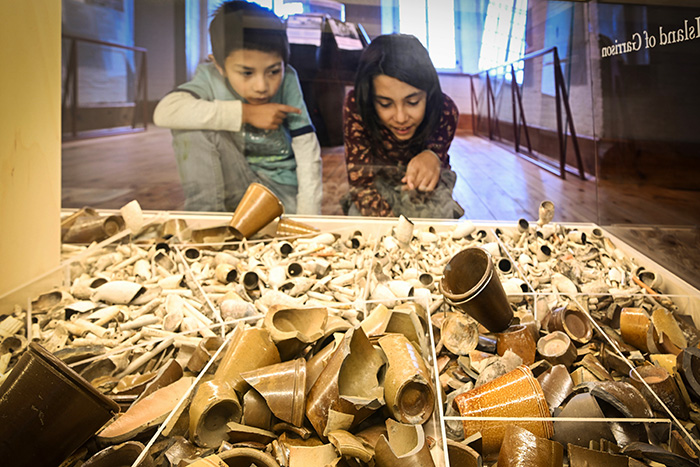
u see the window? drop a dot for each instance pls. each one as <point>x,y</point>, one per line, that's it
<point>504,36</point>
<point>281,8</point>
<point>440,29</point>
<point>431,21</point>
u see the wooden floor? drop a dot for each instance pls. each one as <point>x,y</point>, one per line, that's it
<point>493,184</point>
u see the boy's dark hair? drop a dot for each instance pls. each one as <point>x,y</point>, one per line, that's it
<point>238,24</point>
<point>403,57</point>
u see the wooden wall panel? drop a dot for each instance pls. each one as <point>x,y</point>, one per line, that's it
<point>30,145</point>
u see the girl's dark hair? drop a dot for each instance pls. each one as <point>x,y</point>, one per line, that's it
<point>238,24</point>
<point>403,57</point>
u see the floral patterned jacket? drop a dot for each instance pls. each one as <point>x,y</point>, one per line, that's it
<point>365,160</point>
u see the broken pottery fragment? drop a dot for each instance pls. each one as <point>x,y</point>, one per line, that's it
<point>148,412</point>
<point>408,387</point>
<point>217,402</point>
<point>403,445</point>
<point>521,448</point>
<point>348,386</point>
<point>283,386</point>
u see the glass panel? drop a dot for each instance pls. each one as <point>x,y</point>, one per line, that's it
<point>645,60</point>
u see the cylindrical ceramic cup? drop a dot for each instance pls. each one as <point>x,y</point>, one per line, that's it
<point>258,207</point>
<point>470,284</point>
<point>47,410</point>
<point>93,229</point>
<point>634,327</point>
<point>516,394</point>
<point>573,322</point>
<point>217,402</point>
<point>557,348</point>
<point>546,213</point>
<point>173,228</point>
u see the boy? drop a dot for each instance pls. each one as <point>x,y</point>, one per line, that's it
<point>242,118</point>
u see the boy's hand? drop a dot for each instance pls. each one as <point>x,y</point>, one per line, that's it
<point>267,116</point>
<point>422,172</point>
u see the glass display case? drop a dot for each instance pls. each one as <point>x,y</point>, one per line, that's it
<point>597,362</point>
<point>584,309</point>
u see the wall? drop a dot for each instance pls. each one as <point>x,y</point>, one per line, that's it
<point>155,29</point>
<point>30,171</point>
<point>105,74</point>
<point>365,12</point>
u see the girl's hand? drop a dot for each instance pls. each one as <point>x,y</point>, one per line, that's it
<point>267,116</point>
<point>422,172</point>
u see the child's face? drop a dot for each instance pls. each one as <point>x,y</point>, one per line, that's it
<point>399,106</point>
<point>254,75</point>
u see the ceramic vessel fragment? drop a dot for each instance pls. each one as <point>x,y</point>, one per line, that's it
<point>403,445</point>
<point>283,386</point>
<point>408,387</point>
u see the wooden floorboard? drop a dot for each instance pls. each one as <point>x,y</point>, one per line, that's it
<point>492,184</point>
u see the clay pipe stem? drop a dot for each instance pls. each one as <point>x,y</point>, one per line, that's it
<point>662,301</point>
<point>143,359</point>
<point>189,280</point>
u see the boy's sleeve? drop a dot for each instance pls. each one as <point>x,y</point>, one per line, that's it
<point>181,110</point>
<point>307,153</point>
<point>200,104</point>
<point>298,124</point>
<point>307,150</point>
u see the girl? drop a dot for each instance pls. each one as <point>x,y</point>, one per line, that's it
<point>398,126</point>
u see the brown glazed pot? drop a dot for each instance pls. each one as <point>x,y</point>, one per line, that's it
<point>634,327</point>
<point>470,284</point>
<point>516,394</point>
<point>406,445</point>
<point>47,411</point>
<point>462,455</point>
<point>88,229</point>
<point>557,348</point>
<point>283,386</point>
<point>581,433</point>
